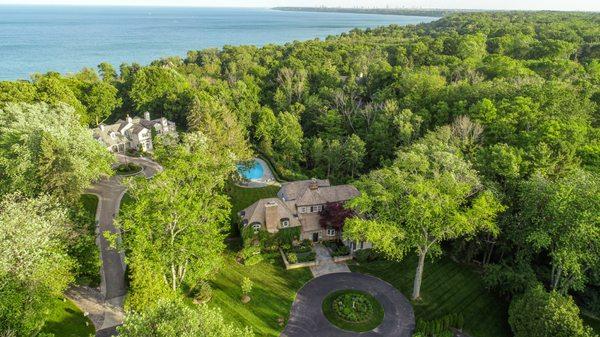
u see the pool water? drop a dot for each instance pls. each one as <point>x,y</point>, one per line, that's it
<point>253,172</point>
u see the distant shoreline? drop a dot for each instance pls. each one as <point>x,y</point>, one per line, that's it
<point>384,11</point>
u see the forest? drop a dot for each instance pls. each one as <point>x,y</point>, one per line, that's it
<point>480,130</point>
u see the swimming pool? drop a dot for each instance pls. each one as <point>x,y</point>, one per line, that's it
<point>253,172</point>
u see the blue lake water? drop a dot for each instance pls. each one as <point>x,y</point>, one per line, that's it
<point>68,38</point>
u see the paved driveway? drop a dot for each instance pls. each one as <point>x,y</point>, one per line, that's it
<point>106,308</point>
<point>325,264</point>
<point>307,319</point>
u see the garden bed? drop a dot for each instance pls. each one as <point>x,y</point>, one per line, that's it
<point>337,249</point>
<point>353,310</point>
<point>297,256</point>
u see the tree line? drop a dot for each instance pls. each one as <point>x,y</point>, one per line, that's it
<point>475,135</point>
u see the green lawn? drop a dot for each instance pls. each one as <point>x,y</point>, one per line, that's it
<point>86,252</point>
<point>243,197</point>
<point>66,320</point>
<point>90,203</point>
<point>272,295</point>
<point>447,288</point>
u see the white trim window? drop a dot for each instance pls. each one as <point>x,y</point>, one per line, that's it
<point>285,223</point>
<point>330,231</point>
<point>303,210</point>
<point>256,226</point>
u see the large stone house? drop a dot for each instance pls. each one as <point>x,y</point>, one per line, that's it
<point>132,133</point>
<point>299,204</point>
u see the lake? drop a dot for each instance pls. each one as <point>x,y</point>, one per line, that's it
<point>69,38</point>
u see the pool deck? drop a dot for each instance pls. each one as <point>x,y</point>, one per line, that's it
<point>267,179</point>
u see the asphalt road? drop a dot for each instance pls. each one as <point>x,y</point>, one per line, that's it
<point>307,318</point>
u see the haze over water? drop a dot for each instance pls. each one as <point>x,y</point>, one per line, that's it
<point>67,38</point>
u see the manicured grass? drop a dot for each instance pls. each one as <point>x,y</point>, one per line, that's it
<point>272,295</point>
<point>87,252</point>
<point>371,319</point>
<point>90,204</point>
<point>243,197</point>
<point>66,320</point>
<point>447,288</point>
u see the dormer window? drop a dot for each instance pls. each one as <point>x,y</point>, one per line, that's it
<point>256,226</point>
<point>285,222</point>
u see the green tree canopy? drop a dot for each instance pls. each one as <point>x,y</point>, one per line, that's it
<point>538,313</point>
<point>174,318</point>
<point>45,149</point>
<point>430,194</point>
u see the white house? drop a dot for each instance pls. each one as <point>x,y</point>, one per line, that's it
<point>132,133</point>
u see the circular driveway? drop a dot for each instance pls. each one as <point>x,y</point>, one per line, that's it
<point>307,319</point>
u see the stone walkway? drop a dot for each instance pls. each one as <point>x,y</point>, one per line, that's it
<point>307,319</point>
<point>325,264</point>
<point>105,307</point>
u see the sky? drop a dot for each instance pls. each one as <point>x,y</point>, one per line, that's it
<point>583,5</point>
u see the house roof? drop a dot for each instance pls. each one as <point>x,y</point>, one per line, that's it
<point>293,190</point>
<point>269,212</point>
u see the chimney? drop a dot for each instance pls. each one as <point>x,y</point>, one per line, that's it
<point>147,115</point>
<point>129,120</point>
<point>314,184</point>
<point>271,216</point>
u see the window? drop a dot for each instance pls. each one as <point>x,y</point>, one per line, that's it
<point>319,208</point>
<point>302,209</point>
<point>285,223</point>
<point>256,226</point>
<point>330,232</point>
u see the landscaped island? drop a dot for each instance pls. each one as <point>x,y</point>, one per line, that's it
<point>422,180</point>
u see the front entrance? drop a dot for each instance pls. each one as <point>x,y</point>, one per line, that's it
<point>315,237</point>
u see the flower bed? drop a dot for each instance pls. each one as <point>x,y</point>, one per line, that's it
<point>337,248</point>
<point>353,310</point>
<point>299,253</point>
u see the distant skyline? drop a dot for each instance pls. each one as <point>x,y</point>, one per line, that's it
<point>579,5</point>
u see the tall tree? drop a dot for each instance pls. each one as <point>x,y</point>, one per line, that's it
<point>562,218</point>
<point>430,194</point>
<point>538,313</point>
<point>34,264</point>
<point>174,229</point>
<point>45,149</point>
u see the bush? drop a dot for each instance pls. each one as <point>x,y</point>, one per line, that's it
<point>539,313</point>
<point>341,251</point>
<point>204,293</point>
<point>292,258</point>
<point>247,285</point>
<point>251,255</point>
<point>307,257</point>
<point>352,307</point>
<point>365,255</point>
<point>440,327</point>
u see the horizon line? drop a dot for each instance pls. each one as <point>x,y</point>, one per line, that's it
<point>298,7</point>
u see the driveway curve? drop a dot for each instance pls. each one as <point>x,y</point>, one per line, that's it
<point>307,319</point>
<point>105,308</point>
